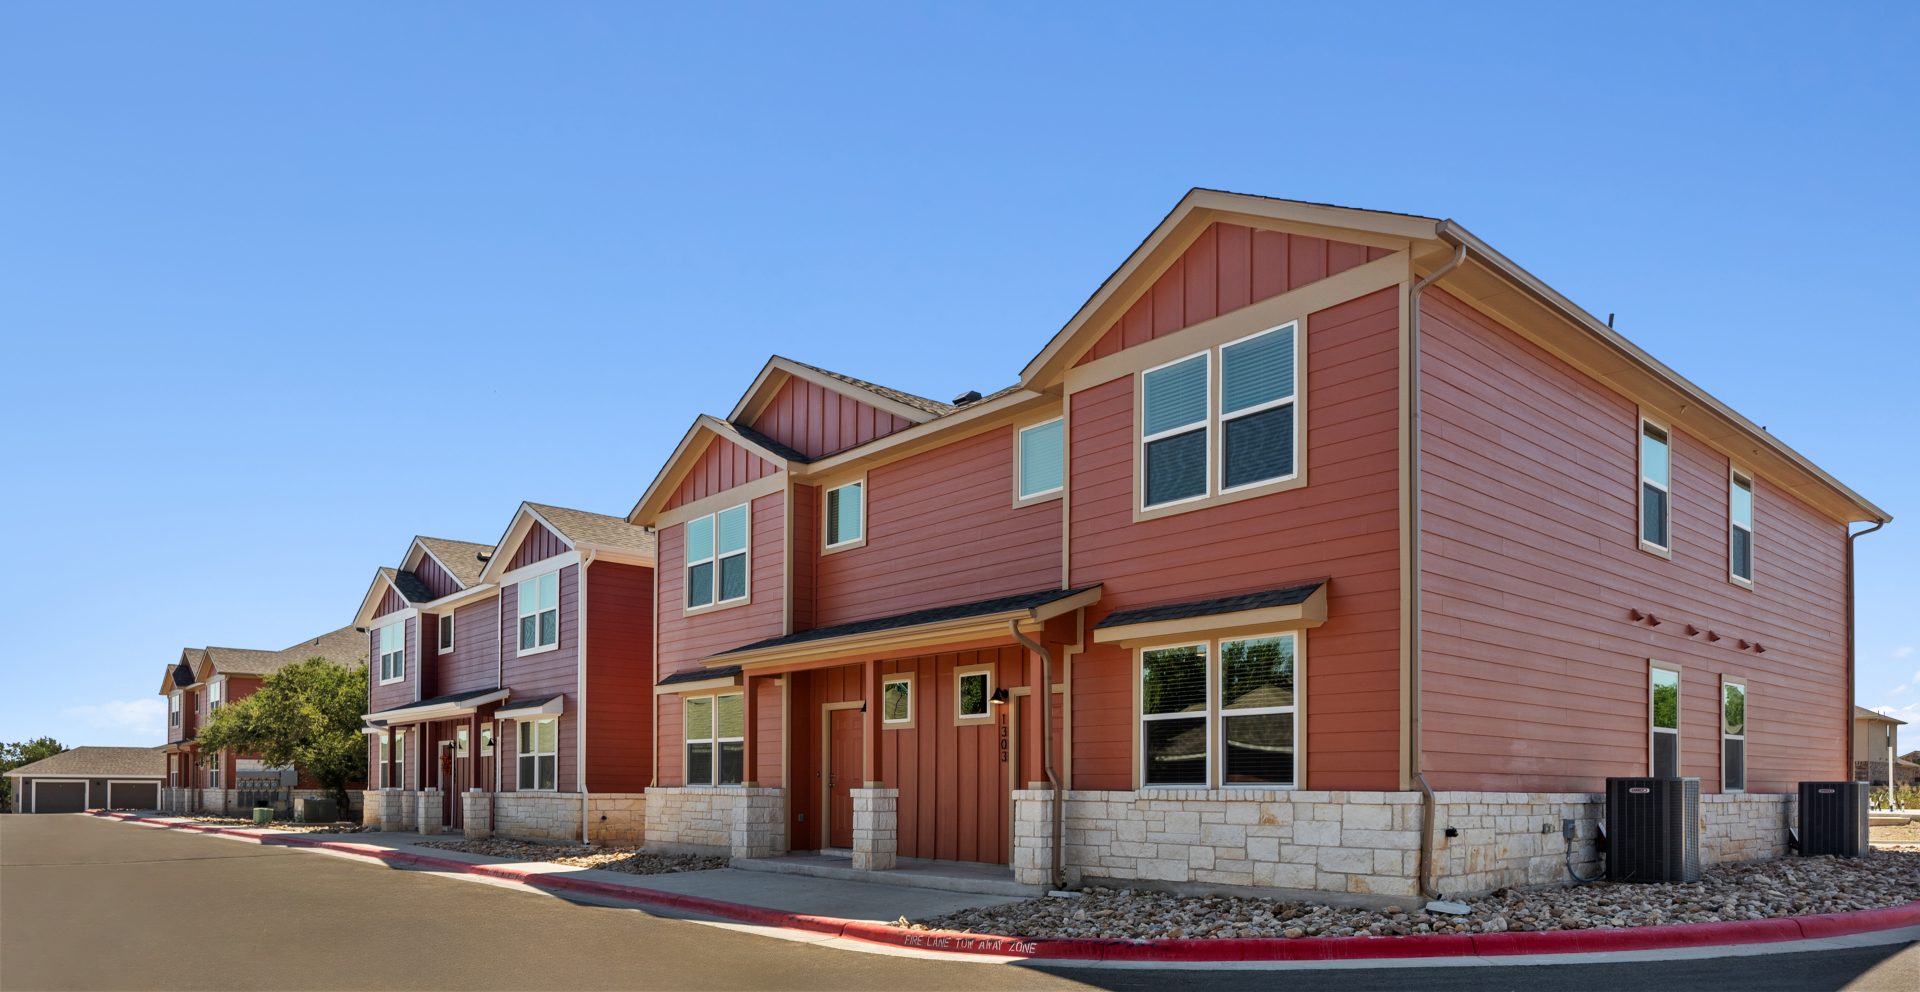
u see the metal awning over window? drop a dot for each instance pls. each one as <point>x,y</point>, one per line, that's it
<point>1294,607</point>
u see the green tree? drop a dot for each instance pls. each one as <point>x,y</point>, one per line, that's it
<point>305,715</point>
<point>24,753</point>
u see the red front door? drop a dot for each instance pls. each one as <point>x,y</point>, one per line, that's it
<point>843,774</point>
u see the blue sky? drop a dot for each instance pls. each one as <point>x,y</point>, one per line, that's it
<point>284,285</point>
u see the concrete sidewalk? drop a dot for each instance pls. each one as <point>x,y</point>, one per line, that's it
<point>802,894</point>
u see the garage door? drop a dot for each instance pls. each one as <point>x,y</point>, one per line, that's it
<point>134,795</point>
<point>59,797</point>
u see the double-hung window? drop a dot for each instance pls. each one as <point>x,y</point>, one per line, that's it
<point>846,515</point>
<point>382,750</point>
<point>393,652</point>
<point>1220,714</point>
<point>1257,408</point>
<point>1042,460</point>
<point>213,771</point>
<point>539,742</point>
<point>716,739</point>
<point>446,632</point>
<point>399,759</point>
<point>1258,717</point>
<point>1655,492</point>
<point>1740,529</point>
<point>216,694</point>
<point>717,558</point>
<point>1174,716</point>
<point>1174,431</point>
<point>1733,735</point>
<point>1663,717</point>
<point>540,613</point>
<point>173,708</point>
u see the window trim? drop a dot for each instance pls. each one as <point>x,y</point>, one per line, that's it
<point>520,614</point>
<point>1215,495</point>
<point>913,700</point>
<point>826,523</point>
<point>713,717</point>
<point>520,734</point>
<point>216,694</point>
<point>1735,476</point>
<point>174,708</point>
<point>380,634</point>
<point>1021,498</point>
<point>1216,725</point>
<point>1679,713</point>
<point>687,564</point>
<point>1205,425</point>
<point>962,672</point>
<point>1640,487</point>
<point>1222,417</point>
<point>486,739</point>
<point>400,758</point>
<point>444,626</point>
<point>1746,763</point>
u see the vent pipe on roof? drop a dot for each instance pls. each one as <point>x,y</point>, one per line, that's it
<point>970,396</point>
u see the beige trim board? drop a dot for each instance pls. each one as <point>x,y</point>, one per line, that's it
<point>1301,616</point>
<point>905,640</point>
<point>743,493</point>
<point>696,688</point>
<point>685,454</point>
<point>977,418</point>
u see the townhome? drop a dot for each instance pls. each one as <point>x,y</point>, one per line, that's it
<point>205,679</point>
<point>510,686</point>
<point>1348,555</point>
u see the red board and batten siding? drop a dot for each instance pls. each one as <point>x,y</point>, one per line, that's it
<point>686,640</point>
<point>435,578</point>
<point>1344,524</point>
<point>1227,267</point>
<point>619,677</point>
<point>539,545</point>
<point>543,674</point>
<point>721,467</point>
<point>1534,675</point>
<point>818,421</point>
<point>941,528</point>
<point>390,602</point>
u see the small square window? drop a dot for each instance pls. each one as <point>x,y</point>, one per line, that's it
<point>846,514</point>
<point>896,701</point>
<point>973,694</point>
<point>446,632</point>
<point>1042,459</point>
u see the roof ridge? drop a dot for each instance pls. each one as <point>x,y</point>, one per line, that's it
<point>926,404</point>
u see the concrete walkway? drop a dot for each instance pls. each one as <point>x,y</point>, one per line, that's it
<point>790,893</point>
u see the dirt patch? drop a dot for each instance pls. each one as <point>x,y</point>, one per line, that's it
<point>631,860</point>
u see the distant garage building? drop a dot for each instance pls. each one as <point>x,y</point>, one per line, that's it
<point>90,778</point>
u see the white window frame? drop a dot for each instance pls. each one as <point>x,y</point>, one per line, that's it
<point>1205,427</point>
<point>1736,476</point>
<point>393,664</point>
<point>1679,713</point>
<point>1021,496</point>
<point>486,740</point>
<point>714,740</point>
<point>1216,712</point>
<point>1640,488</point>
<point>213,771</point>
<point>521,613</point>
<point>400,759</point>
<point>459,742</point>
<point>1209,676</point>
<point>445,635</point>
<point>904,723</point>
<point>1746,759</point>
<point>380,755</point>
<point>216,694</point>
<point>527,735</point>
<point>1218,707</point>
<point>1221,416</point>
<point>173,708</point>
<point>826,524</point>
<point>961,674</point>
<point>714,557</point>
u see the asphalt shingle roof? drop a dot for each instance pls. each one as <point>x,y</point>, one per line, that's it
<point>409,585</point>
<point>959,611</point>
<point>1285,596</point>
<point>99,762</point>
<point>344,647</point>
<point>901,396</point>
<point>700,675</point>
<point>596,528</point>
<point>778,448</point>
<point>462,558</point>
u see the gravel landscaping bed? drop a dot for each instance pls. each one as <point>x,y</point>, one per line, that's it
<point>631,860</point>
<point>1749,891</point>
<point>283,825</point>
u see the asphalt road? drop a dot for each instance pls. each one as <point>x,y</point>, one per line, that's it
<point>93,904</point>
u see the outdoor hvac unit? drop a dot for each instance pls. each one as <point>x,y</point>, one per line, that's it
<point>1653,830</point>
<point>313,809</point>
<point>1833,819</point>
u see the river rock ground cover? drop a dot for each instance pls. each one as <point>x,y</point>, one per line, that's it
<point>1746,891</point>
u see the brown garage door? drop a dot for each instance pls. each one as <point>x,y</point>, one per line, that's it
<point>133,795</point>
<point>59,797</point>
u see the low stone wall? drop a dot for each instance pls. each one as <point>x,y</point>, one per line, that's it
<point>730,821</point>
<point>355,798</point>
<point>476,810</point>
<point>215,801</point>
<point>617,818</point>
<point>545,817</point>
<point>876,828</point>
<point>1362,844</point>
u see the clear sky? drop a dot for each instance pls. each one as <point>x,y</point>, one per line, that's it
<point>283,285</point>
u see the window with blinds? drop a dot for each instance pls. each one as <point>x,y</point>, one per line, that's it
<point>1740,529</point>
<point>1654,487</point>
<point>716,739</point>
<point>1042,459</point>
<point>1174,716</point>
<point>1257,409</point>
<point>716,557</point>
<point>845,514</point>
<point>1174,430</point>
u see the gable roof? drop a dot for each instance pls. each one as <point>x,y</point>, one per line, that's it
<point>774,374</point>
<point>461,559</point>
<point>180,673</point>
<point>703,432</point>
<point>99,762</point>
<point>344,647</point>
<point>580,530</point>
<point>1862,713</point>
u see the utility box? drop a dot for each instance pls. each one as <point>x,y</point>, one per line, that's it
<point>315,810</point>
<point>1653,830</point>
<point>1833,819</point>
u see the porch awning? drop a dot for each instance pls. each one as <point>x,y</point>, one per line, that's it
<point>533,708</point>
<point>1286,608</point>
<point>985,618</point>
<point>437,708</point>
<point>698,679</point>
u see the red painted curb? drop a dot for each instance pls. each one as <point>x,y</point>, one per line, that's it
<point>1166,950</point>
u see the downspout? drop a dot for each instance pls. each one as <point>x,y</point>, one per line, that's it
<point>580,690</point>
<point>1852,537</point>
<point>1413,557</point>
<point>1044,694</point>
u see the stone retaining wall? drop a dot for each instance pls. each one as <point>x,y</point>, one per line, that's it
<point>730,821</point>
<point>617,818</point>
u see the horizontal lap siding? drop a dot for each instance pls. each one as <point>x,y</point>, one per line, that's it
<point>1534,676</point>
<point>941,528</point>
<point>818,421</point>
<point>1343,524</point>
<point>1227,267</point>
<point>722,466</point>
<point>387,696</point>
<point>686,639</point>
<point>475,660</point>
<point>619,677</point>
<point>543,674</point>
